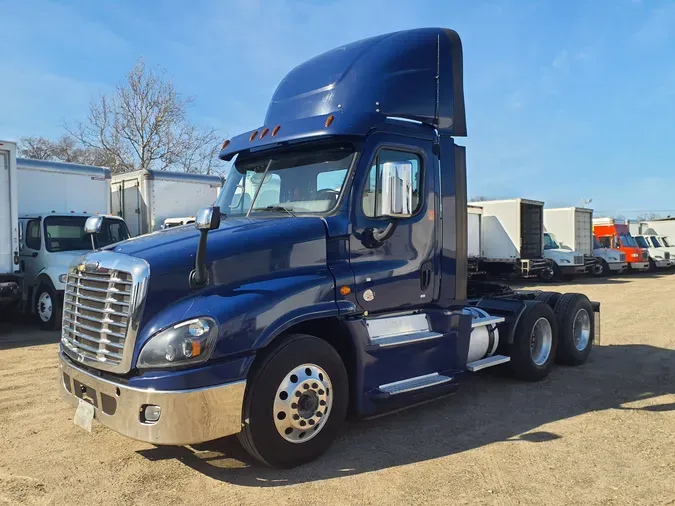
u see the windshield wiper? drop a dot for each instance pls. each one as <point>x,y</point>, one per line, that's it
<point>276,208</point>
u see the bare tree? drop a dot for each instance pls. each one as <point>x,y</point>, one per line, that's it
<point>479,198</point>
<point>648,216</point>
<point>143,125</point>
<point>64,149</point>
<point>38,148</point>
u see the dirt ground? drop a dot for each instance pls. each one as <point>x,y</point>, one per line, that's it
<point>603,433</point>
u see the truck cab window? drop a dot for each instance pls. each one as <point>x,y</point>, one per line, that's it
<point>308,181</point>
<point>66,233</point>
<point>641,242</point>
<point>605,242</point>
<point>549,242</point>
<point>33,234</point>
<point>372,192</point>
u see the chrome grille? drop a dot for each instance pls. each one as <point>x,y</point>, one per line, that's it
<point>622,257</point>
<point>102,304</point>
<point>578,260</point>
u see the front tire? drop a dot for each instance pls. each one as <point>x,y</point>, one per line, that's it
<point>652,265</point>
<point>534,343</point>
<point>48,308</point>
<point>295,403</point>
<point>601,268</point>
<point>551,273</point>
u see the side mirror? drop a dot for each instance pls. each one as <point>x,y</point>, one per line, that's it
<point>397,189</point>
<point>208,218</point>
<point>93,226</point>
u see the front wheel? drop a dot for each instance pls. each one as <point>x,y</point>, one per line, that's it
<point>550,273</point>
<point>652,265</point>
<point>48,308</point>
<point>601,268</point>
<point>295,403</point>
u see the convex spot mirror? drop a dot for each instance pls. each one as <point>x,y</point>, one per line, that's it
<point>93,225</point>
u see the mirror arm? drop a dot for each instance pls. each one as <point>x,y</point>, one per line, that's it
<point>199,276</point>
<point>381,236</point>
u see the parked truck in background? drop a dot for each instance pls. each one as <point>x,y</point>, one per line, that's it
<point>146,198</point>
<point>55,200</point>
<point>474,216</point>
<point>573,228</point>
<point>343,292</point>
<point>512,238</point>
<point>10,276</point>
<point>659,255</point>
<point>615,234</point>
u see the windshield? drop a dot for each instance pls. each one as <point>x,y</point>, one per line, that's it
<point>308,182</point>
<point>655,241</point>
<point>596,243</point>
<point>641,242</point>
<point>66,233</point>
<point>627,241</point>
<point>665,242</point>
<point>549,242</point>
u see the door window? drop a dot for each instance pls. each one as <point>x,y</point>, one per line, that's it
<point>372,192</point>
<point>605,242</point>
<point>33,234</point>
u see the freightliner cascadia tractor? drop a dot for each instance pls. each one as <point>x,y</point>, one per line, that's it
<point>329,280</point>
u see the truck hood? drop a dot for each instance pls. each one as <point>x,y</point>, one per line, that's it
<point>58,264</point>
<point>563,256</point>
<point>241,251</point>
<point>608,254</point>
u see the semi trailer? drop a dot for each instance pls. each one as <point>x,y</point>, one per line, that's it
<point>573,229</point>
<point>343,293</point>
<point>145,199</point>
<point>55,201</point>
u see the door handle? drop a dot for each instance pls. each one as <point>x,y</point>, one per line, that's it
<point>425,276</point>
<point>34,254</point>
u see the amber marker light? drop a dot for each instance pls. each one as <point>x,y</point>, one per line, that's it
<point>329,120</point>
<point>345,290</point>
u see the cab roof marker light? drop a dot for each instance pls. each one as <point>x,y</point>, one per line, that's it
<point>253,135</point>
<point>264,132</point>
<point>276,130</point>
<point>226,143</point>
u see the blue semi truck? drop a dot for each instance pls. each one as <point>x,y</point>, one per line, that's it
<point>329,280</point>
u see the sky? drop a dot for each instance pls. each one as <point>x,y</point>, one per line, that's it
<point>566,100</point>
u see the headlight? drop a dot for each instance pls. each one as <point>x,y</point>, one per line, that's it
<point>613,259</point>
<point>189,342</point>
<point>564,261</point>
<point>63,278</point>
<point>635,255</point>
<point>658,257</point>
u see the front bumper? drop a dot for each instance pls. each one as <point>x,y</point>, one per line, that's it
<point>662,264</point>
<point>568,269</point>
<point>618,266</point>
<point>188,416</point>
<point>639,266</point>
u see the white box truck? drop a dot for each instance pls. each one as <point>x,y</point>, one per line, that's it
<point>55,200</point>
<point>10,277</point>
<point>512,237</point>
<point>147,198</point>
<point>474,223</point>
<point>570,229</point>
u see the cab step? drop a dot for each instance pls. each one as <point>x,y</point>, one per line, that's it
<point>403,339</point>
<point>484,363</point>
<point>412,384</point>
<point>387,332</point>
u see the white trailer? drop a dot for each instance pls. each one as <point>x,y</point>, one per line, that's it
<point>10,278</point>
<point>146,198</point>
<point>664,227</point>
<point>55,200</point>
<point>512,236</point>
<point>474,217</point>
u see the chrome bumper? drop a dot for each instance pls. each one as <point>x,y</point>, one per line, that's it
<point>662,264</point>
<point>188,416</point>
<point>618,266</point>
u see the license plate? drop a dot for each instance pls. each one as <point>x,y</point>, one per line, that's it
<point>84,415</point>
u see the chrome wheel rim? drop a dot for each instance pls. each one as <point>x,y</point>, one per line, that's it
<point>581,329</point>
<point>44,307</point>
<point>541,340</point>
<point>303,403</point>
<point>597,269</point>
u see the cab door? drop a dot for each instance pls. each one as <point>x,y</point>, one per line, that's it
<point>400,271</point>
<point>29,254</point>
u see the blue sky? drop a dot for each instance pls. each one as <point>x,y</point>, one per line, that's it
<point>566,100</point>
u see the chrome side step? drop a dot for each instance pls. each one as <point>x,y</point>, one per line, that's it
<point>411,384</point>
<point>402,339</point>
<point>484,363</point>
<point>482,322</point>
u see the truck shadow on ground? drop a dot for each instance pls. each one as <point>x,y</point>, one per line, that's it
<point>19,331</point>
<point>589,280</point>
<point>487,409</point>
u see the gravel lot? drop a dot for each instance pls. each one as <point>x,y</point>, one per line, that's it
<point>603,433</point>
